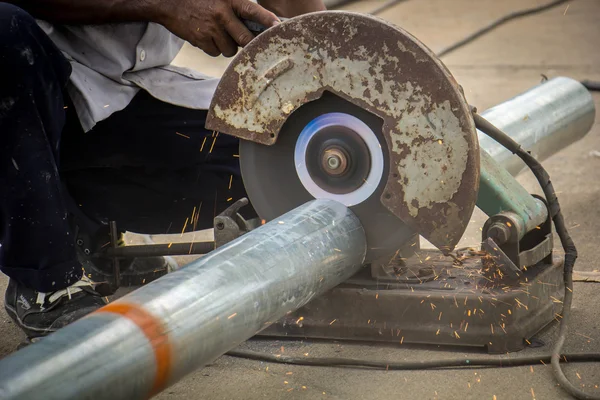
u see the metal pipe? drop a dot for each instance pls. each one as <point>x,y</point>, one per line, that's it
<point>544,120</point>
<point>149,339</point>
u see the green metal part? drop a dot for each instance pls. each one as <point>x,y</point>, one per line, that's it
<point>499,191</point>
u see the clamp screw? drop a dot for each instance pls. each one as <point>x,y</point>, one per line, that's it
<point>499,232</point>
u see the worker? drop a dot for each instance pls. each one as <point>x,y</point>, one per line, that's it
<point>96,125</point>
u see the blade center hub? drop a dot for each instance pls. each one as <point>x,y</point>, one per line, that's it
<point>335,161</point>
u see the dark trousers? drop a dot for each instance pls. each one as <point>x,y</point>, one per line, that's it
<point>146,167</point>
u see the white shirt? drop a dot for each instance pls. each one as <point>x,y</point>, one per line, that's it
<point>112,62</point>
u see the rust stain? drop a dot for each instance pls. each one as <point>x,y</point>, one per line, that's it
<point>380,68</point>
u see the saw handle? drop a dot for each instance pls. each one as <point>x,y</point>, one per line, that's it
<point>257,28</point>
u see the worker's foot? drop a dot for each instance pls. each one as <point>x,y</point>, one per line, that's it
<point>39,314</point>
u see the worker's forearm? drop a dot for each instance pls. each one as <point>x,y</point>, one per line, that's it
<point>92,11</point>
<point>292,8</point>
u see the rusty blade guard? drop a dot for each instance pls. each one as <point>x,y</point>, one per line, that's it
<point>433,149</point>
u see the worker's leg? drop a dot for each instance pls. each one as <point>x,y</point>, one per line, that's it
<point>36,246</point>
<point>37,249</point>
<point>147,167</point>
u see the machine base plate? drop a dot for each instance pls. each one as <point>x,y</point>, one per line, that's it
<point>440,303</point>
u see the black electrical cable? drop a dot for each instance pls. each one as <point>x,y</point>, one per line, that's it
<point>376,11</point>
<point>591,85</point>
<point>567,243</point>
<point>497,23</point>
<point>502,361</point>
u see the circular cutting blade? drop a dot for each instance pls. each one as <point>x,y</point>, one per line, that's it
<point>283,176</point>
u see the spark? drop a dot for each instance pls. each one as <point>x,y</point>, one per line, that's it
<point>494,398</point>
<point>532,394</point>
<point>212,145</point>
<point>304,387</point>
<point>305,354</point>
<point>106,105</point>
<point>456,334</point>
<point>184,226</point>
<point>170,244</point>
<point>440,141</point>
<point>286,382</point>
<point>182,135</point>
<point>232,315</point>
<point>531,368</point>
<point>587,337</point>
<point>193,212</point>
<point>236,155</point>
<point>437,333</point>
<point>466,326</point>
<point>280,222</point>
<point>579,376</point>
<point>192,243</point>
<point>565,13</point>
<point>230,181</point>
<point>376,296</point>
<point>288,373</point>
<point>299,319</point>
<point>229,199</point>
<point>203,142</point>
<point>402,340</point>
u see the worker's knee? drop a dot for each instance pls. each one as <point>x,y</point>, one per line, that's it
<point>18,37</point>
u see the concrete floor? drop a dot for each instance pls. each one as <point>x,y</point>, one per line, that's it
<point>562,41</point>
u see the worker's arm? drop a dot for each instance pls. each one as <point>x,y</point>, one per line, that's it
<point>292,8</point>
<point>212,25</point>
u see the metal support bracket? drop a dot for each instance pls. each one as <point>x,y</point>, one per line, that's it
<point>511,247</point>
<point>229,225</point>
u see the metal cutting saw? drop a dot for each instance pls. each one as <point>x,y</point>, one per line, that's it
<point>347,107</point>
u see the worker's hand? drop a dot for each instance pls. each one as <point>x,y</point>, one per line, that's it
<point>214,25</point>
